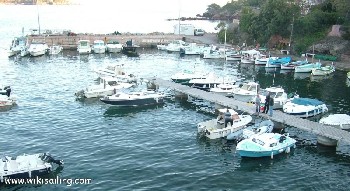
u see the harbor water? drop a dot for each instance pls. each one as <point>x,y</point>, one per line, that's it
<point>155,148</point>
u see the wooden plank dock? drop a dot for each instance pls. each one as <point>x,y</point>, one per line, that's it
<point>278,116</point>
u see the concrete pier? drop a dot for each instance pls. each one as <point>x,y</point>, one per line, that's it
<point>142,40</point>
<point>324,132</point>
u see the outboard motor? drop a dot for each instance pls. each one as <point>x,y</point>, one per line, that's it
<point>48,158</point>
<point>282,138</point>
<point>8,91</point>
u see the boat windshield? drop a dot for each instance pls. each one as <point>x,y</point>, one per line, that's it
<point>245,87</point>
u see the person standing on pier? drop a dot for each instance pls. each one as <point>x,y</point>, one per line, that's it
<point>228,117</point>
<point>267,100</point>
<point>257,103</point>
<point>271,103</point>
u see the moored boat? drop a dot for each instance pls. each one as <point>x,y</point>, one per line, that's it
<point>215,128</point>
<point>322,71</point>
<point>265,145</point>
<point>307,68</point>
<point>341,121</point>
<point>265,126</point>
<point>55,49</point>
<point>38,48</point>
<point>114,46</point>
<point>99,47</point>
<point>134,98</point>
<point>246,92</point>
<point>304,107</point>
<point>84,47</point>
<point>26,166</point>
<point>107,86</point>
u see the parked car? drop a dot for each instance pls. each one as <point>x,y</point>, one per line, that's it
<point>198,32</point>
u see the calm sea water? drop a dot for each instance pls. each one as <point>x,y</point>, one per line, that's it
<point>155,148</point>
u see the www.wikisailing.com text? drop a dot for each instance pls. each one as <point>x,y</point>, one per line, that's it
<point>57,180</point>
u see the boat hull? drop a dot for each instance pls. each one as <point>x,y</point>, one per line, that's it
<point>135,102</point>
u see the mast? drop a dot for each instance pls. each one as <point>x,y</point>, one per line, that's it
<point>38,18</point>
<point>291,34</point>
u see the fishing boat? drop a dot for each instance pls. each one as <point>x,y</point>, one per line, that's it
<point>215,128</point>
<point>265,126</point>
<point>248,56</point>
<point>292,65</point>
<point>107,86</point>
<point>265,145</point>
<point>134,98</point>
<point>26,166</point>
<point>6,101</point>
<point>18,43</point>
<point>246,92</point>
<point>341,121</point>
<point>307,68</point>
<point>277,62</point>
<point>322,71</point>
<point>304,107</point>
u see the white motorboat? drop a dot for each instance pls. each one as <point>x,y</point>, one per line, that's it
<point>323,70</point>
<point>116,71</point>
<point>84,47</point>
<point>225,89</point>
<point>265,145</point>
<point>194,49</point>
<point>176,45</point>
<point>278,94</point>
<point>161,46</point>
<point>215,128</point>
<point>307,68</point>
<point>134,98</point>
<point>341,121</point>
<point>99,47</point>
<point>38,48</point>
<point>262,59</point>
<point>233,56</point>
<point>185,76</point>
<point>6,101</point>
<point>211,81</point>
<point>55,49</point>
<point>248,56</point>
<point>18,44</point>
<point>246,92</point>
<point>26,166</point>
<point>265,126</point>
<point>106,87</point>
<point>304,107</point>
<point>214,54</point>
<point>114,46</point>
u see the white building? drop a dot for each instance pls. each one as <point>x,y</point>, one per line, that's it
<point>184,29</point>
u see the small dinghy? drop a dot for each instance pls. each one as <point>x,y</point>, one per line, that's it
<point>26,166</point>
<point>265,145</point>
<point>258,128</point>
<point>215,128</point>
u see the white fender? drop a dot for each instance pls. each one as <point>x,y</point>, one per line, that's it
<point>288,150</point>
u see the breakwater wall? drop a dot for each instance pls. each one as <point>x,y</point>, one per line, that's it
<point>142,40</point>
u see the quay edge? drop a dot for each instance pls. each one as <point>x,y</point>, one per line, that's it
<point>142,40</point>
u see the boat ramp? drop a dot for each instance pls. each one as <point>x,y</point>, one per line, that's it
<point>327,135</point>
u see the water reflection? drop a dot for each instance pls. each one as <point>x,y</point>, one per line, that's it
<point>300,76</point>
<point>319,78</point>
<point>115,111</point>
